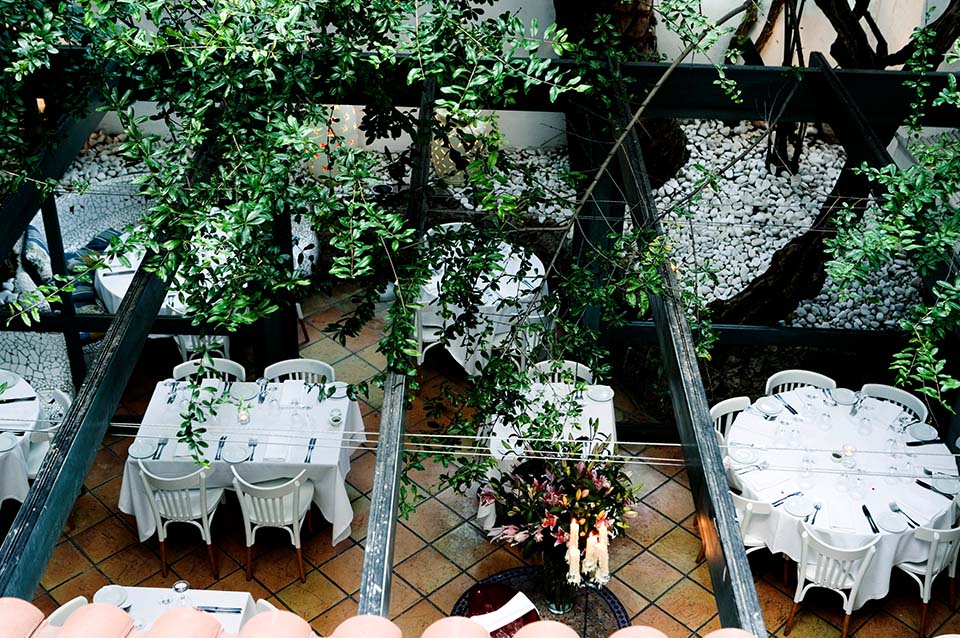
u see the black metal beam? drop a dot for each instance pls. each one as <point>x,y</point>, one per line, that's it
<point>59,322</point>
<point>32,537</point>
<point>731,334</point>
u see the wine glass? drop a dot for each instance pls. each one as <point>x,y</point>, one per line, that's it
<point>825,421</point>
<point>181,587</point>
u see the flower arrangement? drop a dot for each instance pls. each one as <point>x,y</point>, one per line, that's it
<point>550,505</point>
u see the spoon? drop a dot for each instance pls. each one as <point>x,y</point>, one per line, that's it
<point>758,466</point>
<point>896,508</point>
<point>816,510</point>
<point>930,472</point>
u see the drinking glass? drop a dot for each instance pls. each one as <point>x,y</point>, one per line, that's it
<point>825,421</point>
<point>892,476</point>
<point>181,587</point>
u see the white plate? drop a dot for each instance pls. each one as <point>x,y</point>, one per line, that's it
<point>600,393</point>
<point>340,390</point>
<point>891,522</point>
<point>799,506</point>
<point>244,392</point>
<point>947,484</point>
<point>769,406</point>
<point>742,453</point>
<point>922,432</point>
<point>844,396</point>
<point>142,448</point>
<point>235,452</point>
<point>111,595</point>
<point>9,378</point>
<point>8,441</point>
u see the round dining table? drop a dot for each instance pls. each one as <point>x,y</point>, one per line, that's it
<point>19,415</point>
<point>844,468</point>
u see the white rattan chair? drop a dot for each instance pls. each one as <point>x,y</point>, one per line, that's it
<point>184,499</point>
<point>839,570</point>
<point>306,370</point>
<point>560,371</point>
<point>792,379</point>
<point>59,617</point>
<point>283,503</point>
<point>221,369</point>
<point>944,546</point>
<point>724,413</point>
<point>900,397</point>
<point>53,412</point>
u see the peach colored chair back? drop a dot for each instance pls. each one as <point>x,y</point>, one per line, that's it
<point>546,629</point>
<point>276,624</point>
<point>96,619</point>
<point>455,627</point>
<point>19,618</point>
<point>638,632</point>
<point>185,622</point>
<point>366,627</point>
<point>729,632</point>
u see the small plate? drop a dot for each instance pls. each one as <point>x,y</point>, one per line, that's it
<point>244,391</point>
<point>743,454</point>
<point>600,393</point>
<point>235,452</point>
<point>8,441</point>
<point>922,432</point>
<point>799,506</point>
<point>111,595</point>
<point>9,378</point>
<point>142,448</point>
<point>769,406</point>
<point>844,396</point>
<point>891,522</point>
<point>339,390</point>
<point>948,484</point>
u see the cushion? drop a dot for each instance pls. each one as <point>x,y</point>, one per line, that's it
<point>35,256</point>
<point>101,241</point>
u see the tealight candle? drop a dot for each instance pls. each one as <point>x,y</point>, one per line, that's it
<point>848,450</point>
<point>243,417</point>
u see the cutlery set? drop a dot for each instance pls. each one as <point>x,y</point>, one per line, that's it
<point>789,407</point>
<point>873,525</point>
<point>219,610</point>
<point>162,443</point>
<point>783,499</point>
<point>17,400</point>
<point>310,446</point>
<point>926,485</point>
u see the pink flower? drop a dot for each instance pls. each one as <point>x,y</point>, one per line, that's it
<point>520,536</point>
<point>538,536</point>
<point>551,497</point>
<point>487,496</point>
<point>561,537</point>
<point>549,521</point>
<point>504,532</point>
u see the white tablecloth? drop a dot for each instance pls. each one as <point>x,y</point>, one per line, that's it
<point>278,434</point>
<point>17,417</point>
<point>492,316</point>
<point>112,283</point>
<point>841,521</point>
<point>146,605</point>
<point>507,449</point>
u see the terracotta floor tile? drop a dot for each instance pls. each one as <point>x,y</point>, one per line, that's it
<point>317,549</point>
<point>447,596</point>
<point>689,603</point>
<point>648,525</point>
<point>106,465</point>
<point>702,575</point>
<point>46,604</point>
<point>429,477</point>
<point>666,453</point>
<point>810,625</point>
<point>87,511</point>
<point>325,623</point>
<point>416,619</point>
<point>462,504</point>
<point>402,596</point>
<point>883,625</point>
<point>354,370</point>
<point>237,581</point>
<point>464,545</point>
<point>361,515</point>
<point>498,561</point>
<point>432,519</point>
<point>345,569</point>
<point>427,570</point>
<point>631,600</point>
<point>105,539</point>
<point>405,544</point>
<point>315,303</point>
<point>361,472</point>
<point>653,616</point>
<point>195,567</point>
<point>86,584</point>
<point>131,565</point>
<point>109,493</point>
<point>370,354</point>
<point>672,500</point>
<point>906,608</point>
<point>66,562</point>
<point>327,350</point>
<point>711,625</point>
<point>277,567</point>
<point>648,575</point>
<point>648,478</point>
<point>157,580</point>
<point>374,396</point>
<point>951,626</point>
<point>312,598</point>
<point>679,548</point>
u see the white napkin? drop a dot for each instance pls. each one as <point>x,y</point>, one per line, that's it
<point>515,608</point>
<point>763,480</point>
<point>883,412</point>
<point>841,517</point>
<point>290,392</point>
<point>276,449</point>
<point>777,490</point>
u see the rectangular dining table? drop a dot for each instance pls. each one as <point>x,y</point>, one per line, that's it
<point>288,432</point>
<point>146,604</point>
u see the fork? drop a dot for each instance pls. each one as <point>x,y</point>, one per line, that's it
<point>162,444</point>
<point>310,446</point>
<point>253,448</point>
<point>220,444</point>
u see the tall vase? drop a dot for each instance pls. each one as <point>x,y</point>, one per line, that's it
<point>559,593</point>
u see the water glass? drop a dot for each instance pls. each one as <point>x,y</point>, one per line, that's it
<point>825,421</point>
<point>181,587</point>
<point>892,476</point>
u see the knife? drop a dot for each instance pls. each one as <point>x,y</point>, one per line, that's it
<point>310,446</point>
<point>780,501</point>
<point>223,440</point>
<point>873,526</point>
<point>930,442</point>
<point>933,489</point>
<point>16,400</point>
<point>785,404</point>
<point>219,610</point>
<point>113,273</point>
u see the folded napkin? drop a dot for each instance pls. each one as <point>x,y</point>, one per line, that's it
<point>763,480</point>
<point>291,391</point>
<point>515,608</point>
<point>924,503</point>
<point>777,490</point>
<point>883,412</point>
<point>841,517</point>
<point>276,449</point>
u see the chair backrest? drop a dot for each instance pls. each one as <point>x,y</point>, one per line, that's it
<point>56,402</point>
<point>59,617</point>
<point>186,621</point>
<point>265,605</point>
<point>562,370</point>
<point>944,546</point>
<point>97,619</point>
<point>307,370</point>
<point>170,498</point>
<point>900,397</point>
<point>834,568</point>
<point>276,624</point>
<point>749,513</point>
<point>723,413</point>
<point>265,504</point>
<point>791,379</point>
<point>220,369</point>
<point>19,617</point>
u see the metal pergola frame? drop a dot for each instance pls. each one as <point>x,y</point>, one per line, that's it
<point>845,98</point>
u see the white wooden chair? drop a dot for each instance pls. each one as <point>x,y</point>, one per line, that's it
<point>184,499</point>
<point>750,515</point>
<point>944,547</point>
<point>265,606</point>
<point>53,412</point>
<point>792,379</point>
<point>283,503</point>
<point>221,369</point>
<point>560,371</point>
<point>190,345</point>
<point>306,370</point>
<point>59,617</point>
<point>724,413</point>
<point>900,397</point>
<point>839,570</point>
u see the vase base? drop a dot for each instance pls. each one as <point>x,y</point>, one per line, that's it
<point>559,609</point>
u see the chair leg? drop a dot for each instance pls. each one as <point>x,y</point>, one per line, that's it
<point>213,562</point>
<point>786,570</point>
<point>790,618</point>
<point>953,594</point>
<point>303,576</point>
<point>923,619</point>
<point>250,563</point>
<point>846,626</point>
<point>702,553</point>
<point>163,559</point>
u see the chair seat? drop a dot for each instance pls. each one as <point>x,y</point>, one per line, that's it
<point>913,568</point>
<point>306,497</point>
<point>214,495</point>
<point>35,456</point>
<point>753,541</point>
